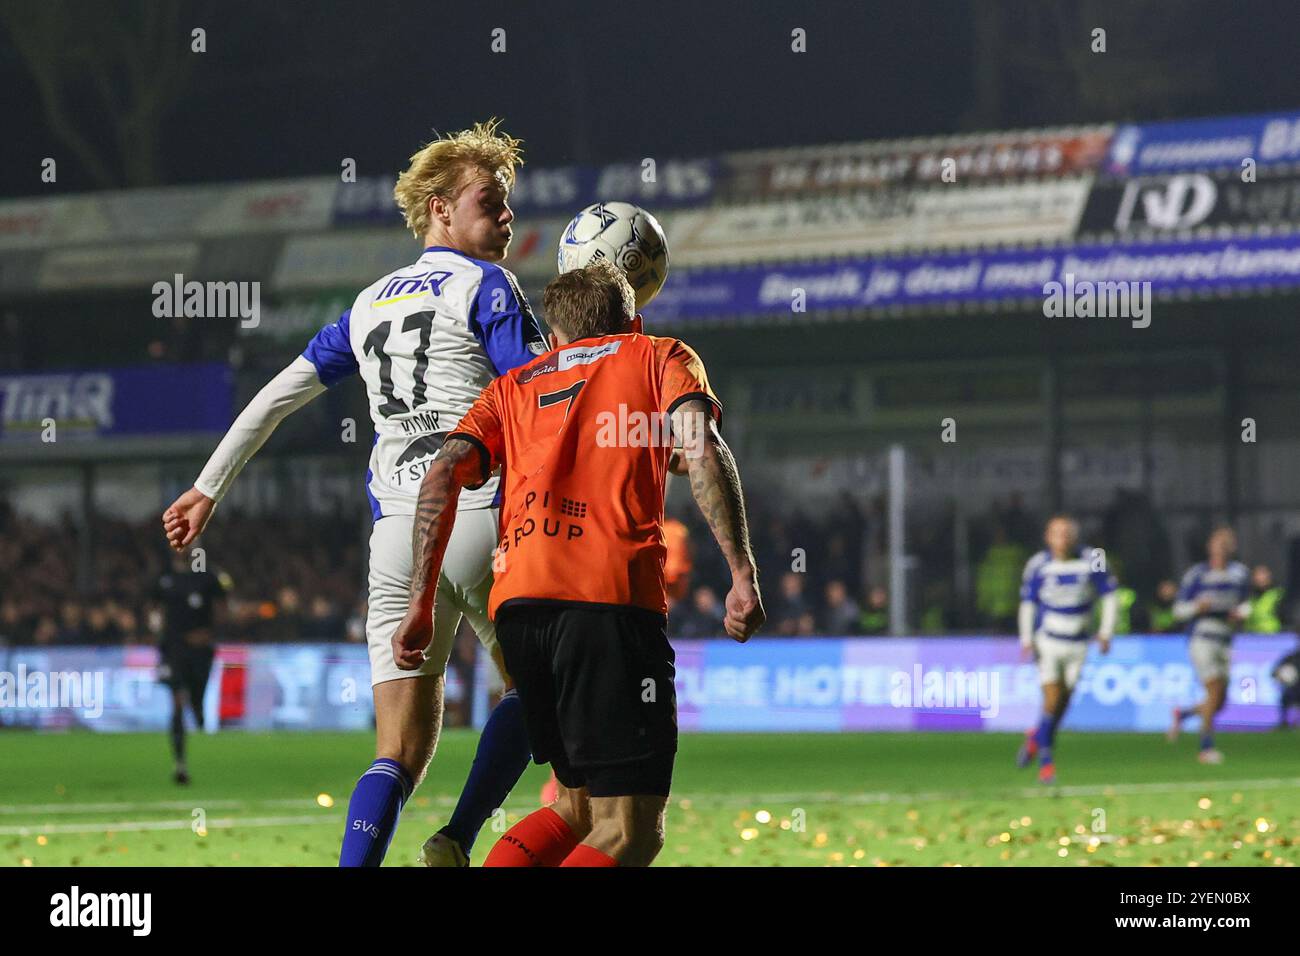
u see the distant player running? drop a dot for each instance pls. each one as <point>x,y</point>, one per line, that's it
<point>425,339</point>
<point>1061,585</point>
<point>1213,598</point>
<point>580,600</point>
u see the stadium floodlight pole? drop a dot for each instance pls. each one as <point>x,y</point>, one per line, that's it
<point>897,550</point>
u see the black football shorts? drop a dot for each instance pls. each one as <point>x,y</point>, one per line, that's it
<point>186,667</point>
<point>596,685</point>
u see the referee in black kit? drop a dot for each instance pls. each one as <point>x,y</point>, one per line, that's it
<point>187,600</point>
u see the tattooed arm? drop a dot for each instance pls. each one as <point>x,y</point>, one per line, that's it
<point>457,465</point>
<point>715,484</point>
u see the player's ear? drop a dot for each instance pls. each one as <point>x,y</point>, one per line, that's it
<point>636,325</point>
<point>439,209</point>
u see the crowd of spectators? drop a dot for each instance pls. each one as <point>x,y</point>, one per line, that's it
<point>288,578</point>
<point>303,577</point>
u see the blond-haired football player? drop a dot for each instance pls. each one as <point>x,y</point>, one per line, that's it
<point>425,340</point>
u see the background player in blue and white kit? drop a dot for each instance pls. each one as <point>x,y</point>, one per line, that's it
<point>1061,585</point>
<point>425,340</point>
<point>1213,598</point>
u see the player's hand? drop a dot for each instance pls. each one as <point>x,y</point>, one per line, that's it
<point>1204,606</point>
<point>1028,652</point>
<point>1103,643</point>
<point>745,613</point>
<point>412,637</point>
<point>186,518</point>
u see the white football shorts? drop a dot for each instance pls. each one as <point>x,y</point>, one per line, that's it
<point>1211,659</point>
<point>463,589</point>
<point>1060,661</point>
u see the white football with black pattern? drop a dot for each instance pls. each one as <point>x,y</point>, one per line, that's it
<point>627,236</point>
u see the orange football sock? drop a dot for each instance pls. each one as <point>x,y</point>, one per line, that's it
<point>540,839</point>
<point>584,855</point>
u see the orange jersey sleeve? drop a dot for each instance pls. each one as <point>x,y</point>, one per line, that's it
<point>584,436</point>
<point>682,376</point>
<point>481,427</point>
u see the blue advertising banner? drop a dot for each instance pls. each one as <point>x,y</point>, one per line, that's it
<point>977,684</point>
<point>252,687</point>
<point>116,403</point>
<point>1205,266</point>
<point>955,684</point>
<point>1178,145</point>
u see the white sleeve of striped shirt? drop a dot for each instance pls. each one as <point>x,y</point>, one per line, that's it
<point>289,391</point>
<point>1109,611</point>
<point>1027,611</point>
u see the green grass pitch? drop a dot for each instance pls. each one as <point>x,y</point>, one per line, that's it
<point>739,800</point>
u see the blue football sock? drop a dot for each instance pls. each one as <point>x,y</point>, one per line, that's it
<point>372,813</point>
<point>1207,741</point>
<point>1045,736</point>
<point>502,756</point>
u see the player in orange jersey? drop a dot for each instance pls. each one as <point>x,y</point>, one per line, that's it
<point>579,599</point>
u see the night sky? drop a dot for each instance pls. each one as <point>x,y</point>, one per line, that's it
<point>290,88</point>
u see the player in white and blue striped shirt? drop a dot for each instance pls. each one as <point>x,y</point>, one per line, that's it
<point>1062,583</point>
<point>1214,598</point>
<point>424,340</point>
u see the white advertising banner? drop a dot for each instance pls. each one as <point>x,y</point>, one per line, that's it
<point>116,266</point>
<point>933,217</point>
